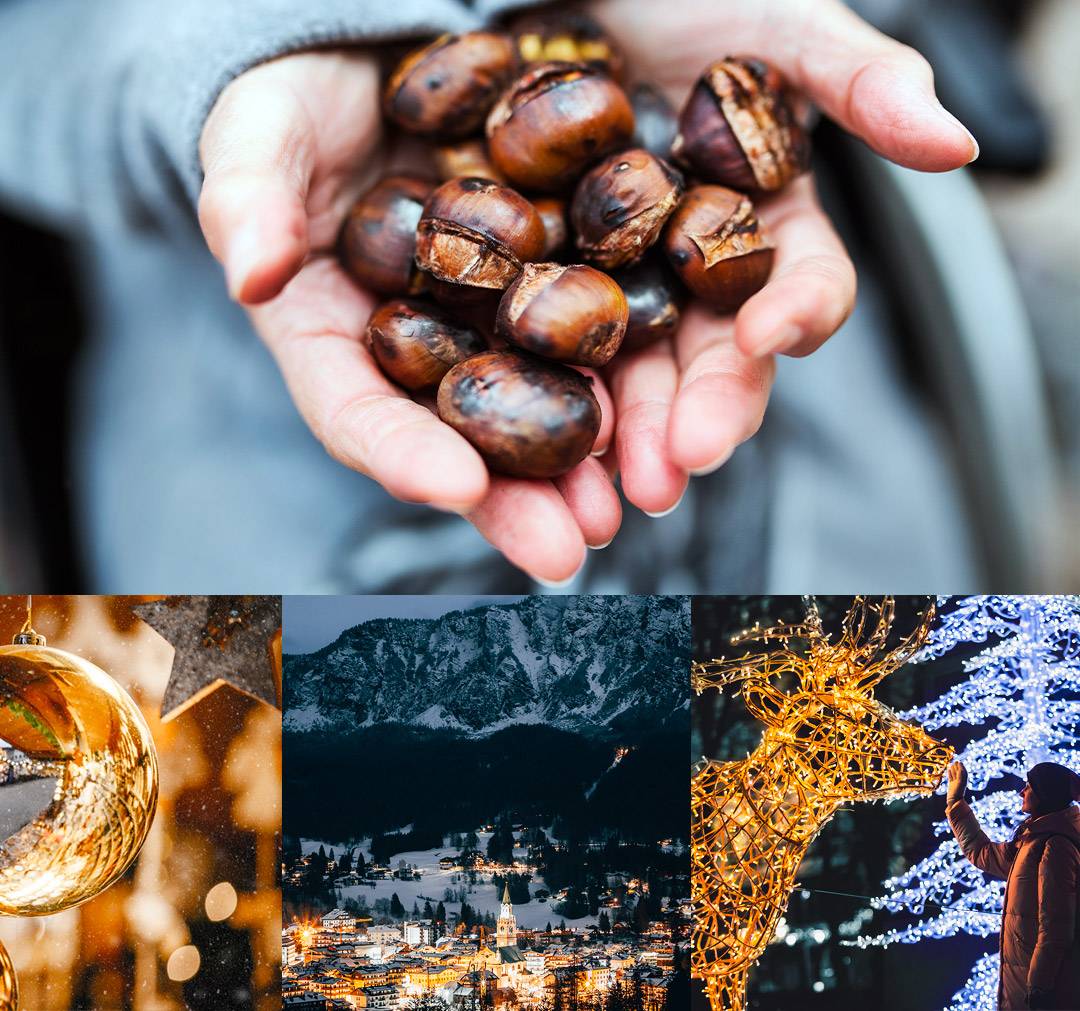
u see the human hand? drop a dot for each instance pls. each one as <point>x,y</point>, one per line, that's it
<point>286,150</point>
<point>957,782</point>
<point>683,406</point>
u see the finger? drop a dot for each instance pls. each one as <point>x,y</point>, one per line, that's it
<point>812,288</point>
<point>531,524</point>
<point>593,502</point>
<point>257,155</point>
<point>873,86</point>
<point>313,329</point>
<point>643,386</point>
<point>607,412</point>
<point>722,395</point>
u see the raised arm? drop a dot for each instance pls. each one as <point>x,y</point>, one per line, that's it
<point>991,858</point>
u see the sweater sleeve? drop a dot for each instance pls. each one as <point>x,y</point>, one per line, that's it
<point>1057,913</point>
<point>991,858</point>
<point>103,102</point>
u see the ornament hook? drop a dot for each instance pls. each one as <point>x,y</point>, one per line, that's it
<point>26,636</point>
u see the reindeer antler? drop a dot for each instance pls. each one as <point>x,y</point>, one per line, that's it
<point>865,671</point>
<point>721,672</point>
<point>866,661</point>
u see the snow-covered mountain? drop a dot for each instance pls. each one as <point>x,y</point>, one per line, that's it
<point>576,663</point>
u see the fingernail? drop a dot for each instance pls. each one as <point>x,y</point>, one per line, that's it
<point>461,509</point>
<point>599,452</point>
<point>600,547</point>
<point>955,123</point>
<point>666,512</point>
<point>715,465</point>
<point>244,253</point>
<point>788,336</point>
<point>561,584</point>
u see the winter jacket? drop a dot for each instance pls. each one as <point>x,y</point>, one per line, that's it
<point>1040,942</point>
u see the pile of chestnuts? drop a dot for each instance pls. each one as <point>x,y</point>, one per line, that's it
<point>564,217</point>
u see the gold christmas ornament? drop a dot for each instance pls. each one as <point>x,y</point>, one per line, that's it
<point>78,778</point>
<point>9,983</point>
<point>827,741</point>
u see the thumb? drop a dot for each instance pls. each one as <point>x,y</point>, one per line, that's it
<point>873,86</point>
<point>257,154</point>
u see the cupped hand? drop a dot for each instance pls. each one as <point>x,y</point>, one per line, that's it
<point>286,150</point>
<point>957,782</point>
<point>683,406</point>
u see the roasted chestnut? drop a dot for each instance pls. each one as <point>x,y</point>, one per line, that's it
<point>714,242</point>
<point>527,417</point>
<point>620,206</point>
<point>446,88</point>
<point>655,122</point>
<point>573,314</point>
<point>552,211</point>
<point>465,158</point>
<point>377,242</point>
<point>416,344</point>
<point>655,298</point>
<point>474,236</point>
<point>738,129</point>
<point>568,35</point>
<point>554,121</point>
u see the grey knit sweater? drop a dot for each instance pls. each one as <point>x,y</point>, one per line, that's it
<point>195,474</point>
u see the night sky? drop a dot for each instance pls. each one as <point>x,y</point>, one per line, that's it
<point>309,623</point>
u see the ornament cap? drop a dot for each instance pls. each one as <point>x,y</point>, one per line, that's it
<point>28,637</point>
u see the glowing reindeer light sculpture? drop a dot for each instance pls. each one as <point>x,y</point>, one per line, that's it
<point>826,742</point>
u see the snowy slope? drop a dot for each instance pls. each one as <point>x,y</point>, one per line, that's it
<point>576,663</point>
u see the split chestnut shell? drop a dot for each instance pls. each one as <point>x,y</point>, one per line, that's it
<point>573,314</point>
<point>717,246</point>
<point>737,128</point>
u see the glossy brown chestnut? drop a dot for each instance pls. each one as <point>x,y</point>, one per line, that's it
<point>620,206</point>
<point>474,236</point>
<point>573,314</point>
<point>714,242</point>
<point>552,211</point>
<point>655,298</point>
<point>377,242</point>
<point>527,417</point>
<point>738,129</point>
<point>446,88</point>
<point>416,344</point>
<point>567,35</point>
<point>554,121</point>
<point>655,121</point>
<point>465,158</point>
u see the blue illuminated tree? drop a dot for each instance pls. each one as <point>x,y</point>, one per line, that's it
<point>1024,688</point>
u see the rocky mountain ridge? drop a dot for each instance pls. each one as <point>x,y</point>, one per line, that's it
<point>584,663</point>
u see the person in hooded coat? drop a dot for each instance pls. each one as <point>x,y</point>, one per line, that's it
<point>1040,943</point>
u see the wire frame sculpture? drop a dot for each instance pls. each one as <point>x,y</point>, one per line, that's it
<point>827,741</point>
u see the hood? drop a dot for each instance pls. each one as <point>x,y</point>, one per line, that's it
<point>1065,822</point>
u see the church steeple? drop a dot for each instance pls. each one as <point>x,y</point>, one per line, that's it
<point>506,929</point>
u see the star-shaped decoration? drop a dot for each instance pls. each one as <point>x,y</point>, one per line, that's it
<point>218,640</point>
